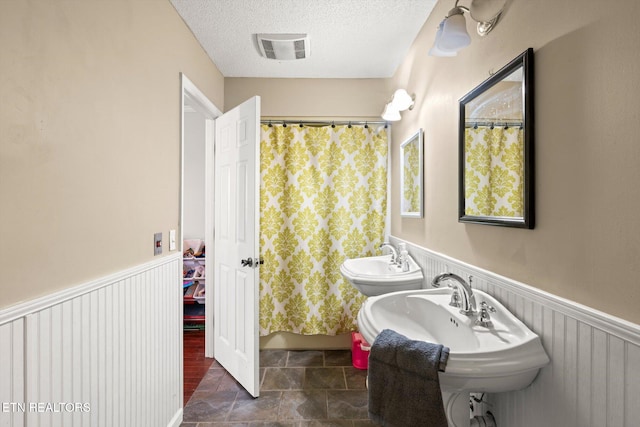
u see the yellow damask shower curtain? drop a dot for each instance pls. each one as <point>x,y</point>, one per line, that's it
<point>494,171</point>
<point>323,199</point>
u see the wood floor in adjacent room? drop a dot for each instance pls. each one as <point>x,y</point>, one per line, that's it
<point>195,364</point>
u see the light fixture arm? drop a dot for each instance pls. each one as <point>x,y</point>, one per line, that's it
<point>484,25</point>
<point>413,102</point>
<point>458,8</point>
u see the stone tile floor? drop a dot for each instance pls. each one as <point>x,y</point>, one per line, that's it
<point>297,389</point>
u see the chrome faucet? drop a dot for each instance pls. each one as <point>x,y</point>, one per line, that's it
<point>468,300</point>
<point>394,252</point>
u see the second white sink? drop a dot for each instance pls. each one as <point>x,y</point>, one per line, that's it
<point>377,275</point>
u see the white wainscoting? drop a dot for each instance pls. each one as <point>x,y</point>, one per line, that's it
<point>111,348</point>
<point>594,375</point>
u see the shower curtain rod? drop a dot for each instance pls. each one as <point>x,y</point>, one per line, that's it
<point>501,123</point>
<point>325,122</point>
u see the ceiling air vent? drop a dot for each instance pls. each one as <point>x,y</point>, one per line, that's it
<point>283,46</point>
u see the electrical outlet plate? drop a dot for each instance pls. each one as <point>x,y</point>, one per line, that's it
<point>172,240</point>
<point>157,244</point>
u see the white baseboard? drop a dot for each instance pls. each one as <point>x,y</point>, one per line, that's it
<point>291,341</point>
<point>177,419</point>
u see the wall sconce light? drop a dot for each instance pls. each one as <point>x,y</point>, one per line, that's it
<point>452,35</point>
<point>400,101</point>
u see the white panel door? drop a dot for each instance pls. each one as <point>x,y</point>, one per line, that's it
<point>235,312</point>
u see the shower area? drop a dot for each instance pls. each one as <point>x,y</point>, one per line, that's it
<point>323,199</point>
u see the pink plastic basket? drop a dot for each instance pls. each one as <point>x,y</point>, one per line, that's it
<point>359,351</point>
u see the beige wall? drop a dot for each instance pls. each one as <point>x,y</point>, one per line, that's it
<point>311,98</point>
<point>90,137</point>
<point>586,244</point>
<point>89,125</point>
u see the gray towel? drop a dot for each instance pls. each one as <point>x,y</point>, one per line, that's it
<point>404,389</point>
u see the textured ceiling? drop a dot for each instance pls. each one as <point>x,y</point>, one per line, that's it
<point>347,38</point>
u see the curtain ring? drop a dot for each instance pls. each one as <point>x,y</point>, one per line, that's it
<point>366,126</point>
<point>475,125</point>
<point>491,127</point>
<point>301,123</point>
<point>270,125</point>
<point>284,124</point>
<point>333,124</point>
<point>349,126</point>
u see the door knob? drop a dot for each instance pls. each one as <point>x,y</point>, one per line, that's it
<point>252,262</point>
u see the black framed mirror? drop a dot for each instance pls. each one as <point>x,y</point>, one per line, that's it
<point>496,148</point>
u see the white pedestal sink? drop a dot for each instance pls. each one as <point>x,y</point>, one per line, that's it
<point>505,356</point>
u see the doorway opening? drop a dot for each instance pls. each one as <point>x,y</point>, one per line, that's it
<point>196,232</point>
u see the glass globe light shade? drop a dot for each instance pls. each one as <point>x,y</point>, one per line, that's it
<point>402,100</point>
<point>390,113</point>
<point>435,50</point>
<point>454,34</point>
